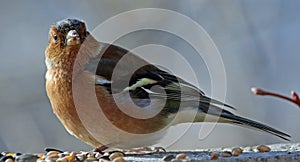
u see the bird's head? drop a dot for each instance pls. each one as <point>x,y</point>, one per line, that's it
<point>65,39</point>
<point>68,38</point>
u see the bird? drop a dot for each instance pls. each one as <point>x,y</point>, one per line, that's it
<point>107,96</point>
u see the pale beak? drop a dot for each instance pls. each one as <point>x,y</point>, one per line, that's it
<point>72,38</point>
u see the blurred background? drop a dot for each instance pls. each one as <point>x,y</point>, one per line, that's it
<point>258,42</point>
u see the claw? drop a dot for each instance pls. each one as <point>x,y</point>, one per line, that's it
<point>101,149</point>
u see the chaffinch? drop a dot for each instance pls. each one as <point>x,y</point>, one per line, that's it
<point>105,95</point>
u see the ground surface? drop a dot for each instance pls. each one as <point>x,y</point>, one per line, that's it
<point>275,153</point>
<point>279,153</point>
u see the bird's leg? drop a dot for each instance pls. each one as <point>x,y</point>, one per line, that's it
<point>101,149</point>
<point>295,98</point>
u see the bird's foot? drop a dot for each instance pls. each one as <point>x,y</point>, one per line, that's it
<point>101,149</point>
<point>136,151</point>
<point>295,98</point>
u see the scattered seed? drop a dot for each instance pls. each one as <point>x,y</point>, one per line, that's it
<point>105,157</point>
<point>80,157</point>
<point>52,157</point>
<point>10,154</point>
<point>53,153</point>
<point>48,149</point>
<point>181,156</point>
<point>41,156</point>
<point>9,160</point>
<point>26,158</point>
<point>226,154</point>
<point>214,156</point>
<point>263,148</point>
<point>17,154</point>
<point>98,155</point>
<point>119,159</point>
<point>61,160</point>
<point>168,158</point>
<point>237,151</point>
<point>103,160</point>
<point>115,155</point>
<point>4,158</point>
<point>178,160</point>
<point>90,159</point>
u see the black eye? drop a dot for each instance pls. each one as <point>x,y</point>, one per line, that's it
<point>55,37</point>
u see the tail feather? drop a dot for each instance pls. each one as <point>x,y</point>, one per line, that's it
<point>253,124</point>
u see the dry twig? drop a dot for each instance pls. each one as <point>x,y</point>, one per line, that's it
<point>295,98</point>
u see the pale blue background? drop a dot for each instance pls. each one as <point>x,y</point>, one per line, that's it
<point>259,42</point>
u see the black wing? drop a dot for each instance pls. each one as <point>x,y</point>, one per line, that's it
<point>126,71</point>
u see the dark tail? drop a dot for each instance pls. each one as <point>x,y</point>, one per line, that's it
<point>253,124</point>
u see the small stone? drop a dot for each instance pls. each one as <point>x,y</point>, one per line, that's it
<point>17,154</point>
<point>178,160</point>
<point>41,156</point>
<point>105,157</point>
<point>26,158</point>
<point>61,155</point>
<point>71,157</point>
<point>263,148</point>
<point>119,159</point>
<point>53,153</point>
<point>226,154</point>
<point>168,158</point>
<point>10,154</point>
<point>62,160</point>
<point>181,156</point>
<point>214,156</point>
<point>90,159</point>
<point>4,153</point>
<point>158,149</point>
<point>40,160</point>
<point>98,155</point>
<point>4,158</point>
<point>48,149</point>
<point>81,157</point>
<point>115,155</point>
<point>91,155</point>
<point>237,151</point>
<point>9,160</point>
<point>52,157</point>
<point>103,160</point>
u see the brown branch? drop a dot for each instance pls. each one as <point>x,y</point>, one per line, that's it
<point>295,98</point>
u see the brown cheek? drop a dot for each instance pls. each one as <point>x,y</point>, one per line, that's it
<point>52,50</point>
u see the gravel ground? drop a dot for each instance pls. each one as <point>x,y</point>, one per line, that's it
<point>278,153</point>
<point>271,153</point>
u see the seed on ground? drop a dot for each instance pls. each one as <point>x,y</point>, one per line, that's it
<point>181,156</point>
<point>226,154</point>
<point>115,155</point>
<point>263,148</point>
<point>119,159</point>
<point>214,156</point>
<point>237,151</point>
<point>168,158</point>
